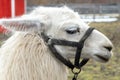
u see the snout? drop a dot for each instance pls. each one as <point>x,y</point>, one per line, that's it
<point>107,54</point>
<point>102,47</point>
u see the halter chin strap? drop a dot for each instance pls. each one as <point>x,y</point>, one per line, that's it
<point>79,45</point>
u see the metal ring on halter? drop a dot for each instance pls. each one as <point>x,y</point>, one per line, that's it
<point>76,70</point>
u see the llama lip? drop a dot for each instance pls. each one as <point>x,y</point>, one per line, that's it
<point>103,58</point>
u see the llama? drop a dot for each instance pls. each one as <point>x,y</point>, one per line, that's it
<point>26,56</point>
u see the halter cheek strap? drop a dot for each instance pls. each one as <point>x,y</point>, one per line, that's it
<point>77,62</point>
<point>79,45</point>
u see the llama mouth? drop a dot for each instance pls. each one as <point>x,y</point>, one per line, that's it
<point>103,58</point>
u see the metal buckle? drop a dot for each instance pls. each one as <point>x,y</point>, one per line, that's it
<point>76,71</point>
<point>49,41</point>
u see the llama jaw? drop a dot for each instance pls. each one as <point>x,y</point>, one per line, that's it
<point>103,58</point>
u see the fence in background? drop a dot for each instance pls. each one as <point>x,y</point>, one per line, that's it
<point>96,8</point>
<point>89,8</point>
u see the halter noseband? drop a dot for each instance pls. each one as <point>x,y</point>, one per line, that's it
<point>79,45</point>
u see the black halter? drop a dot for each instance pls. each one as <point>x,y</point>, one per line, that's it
<point>79,45</point>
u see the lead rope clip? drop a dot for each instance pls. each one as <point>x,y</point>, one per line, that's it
<point>76,71</point>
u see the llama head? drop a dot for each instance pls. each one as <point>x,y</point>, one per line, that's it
<point>63,23</point>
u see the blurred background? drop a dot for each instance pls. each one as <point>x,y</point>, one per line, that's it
<point>104,15</point>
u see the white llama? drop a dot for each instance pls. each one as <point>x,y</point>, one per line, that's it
<point>26,56</point>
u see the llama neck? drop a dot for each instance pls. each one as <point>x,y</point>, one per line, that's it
<point>31,60</point>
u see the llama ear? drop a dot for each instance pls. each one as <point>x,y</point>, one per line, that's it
<point>22,24</point>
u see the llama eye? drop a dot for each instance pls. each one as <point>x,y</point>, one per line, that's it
<point>72,30</point>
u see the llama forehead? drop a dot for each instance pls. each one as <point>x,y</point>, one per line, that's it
<point>56,13</point>
<point>57,17</point>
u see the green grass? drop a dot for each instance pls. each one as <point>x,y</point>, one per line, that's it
<point>99,71</point>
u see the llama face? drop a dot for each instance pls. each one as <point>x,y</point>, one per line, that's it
<point>97,46</point>
<point>63,23</point>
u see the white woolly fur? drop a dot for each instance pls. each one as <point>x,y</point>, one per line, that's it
<point>27,58</point>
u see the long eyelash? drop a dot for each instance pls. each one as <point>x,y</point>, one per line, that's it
<point>73,31</point>
<point>70,32</point>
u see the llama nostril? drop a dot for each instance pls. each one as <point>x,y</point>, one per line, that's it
<point>109,48</point>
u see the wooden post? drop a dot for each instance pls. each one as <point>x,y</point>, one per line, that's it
<point>11,8</point>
